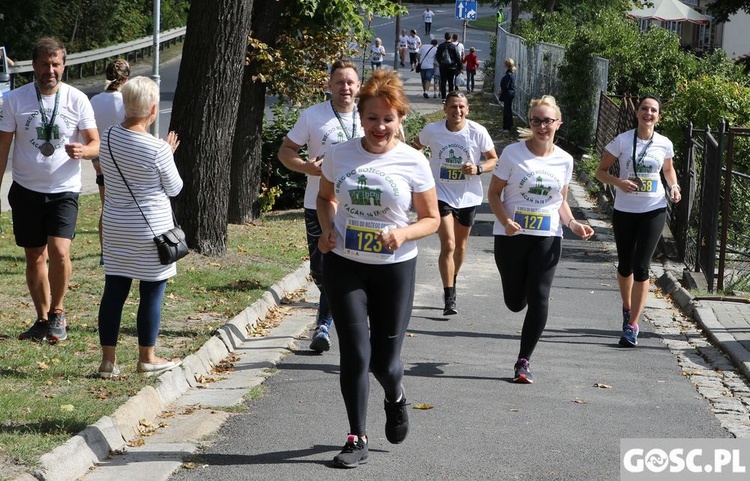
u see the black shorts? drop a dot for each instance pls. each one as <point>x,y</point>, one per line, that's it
<point>464,216</point>
<point>414,57</point>
<point>100,180</point>
<point>37,216</point>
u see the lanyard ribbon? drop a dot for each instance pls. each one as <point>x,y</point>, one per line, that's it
<point>47,123</point>
<point>638,162</point>
<point>341,122</point>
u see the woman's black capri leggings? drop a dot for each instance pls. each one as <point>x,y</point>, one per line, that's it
<point>636,237</point>
<point>384,293</point>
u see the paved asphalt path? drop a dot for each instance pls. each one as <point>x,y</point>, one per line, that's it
<point>481,426</point>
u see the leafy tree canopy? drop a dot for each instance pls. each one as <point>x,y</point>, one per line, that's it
<point>314,33</point>
<point>83,24</point>
<point>722,10</point>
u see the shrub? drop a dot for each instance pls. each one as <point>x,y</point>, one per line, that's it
<point>275,175</point>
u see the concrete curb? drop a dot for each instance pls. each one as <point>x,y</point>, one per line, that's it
<point>706,318</point>
<point>110,433</point>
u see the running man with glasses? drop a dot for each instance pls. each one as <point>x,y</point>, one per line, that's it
<point>529,197</point>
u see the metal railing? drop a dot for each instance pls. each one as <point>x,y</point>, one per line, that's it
<point>538,73</point>
<point>131,50</point>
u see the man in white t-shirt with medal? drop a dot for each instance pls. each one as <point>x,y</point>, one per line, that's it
<point>319,127</point>
<point>54,128</point>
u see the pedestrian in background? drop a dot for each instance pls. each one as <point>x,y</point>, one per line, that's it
<point>413,43</point>
<point>377,52</point>
<point>427,17</point>
<point>319,127</point>
<point>450,65</point>
<point>403,45</point>
<point>427,65</point>
<point>472,63</point>
<point>109,110</point>
<point>366,192</point>
<point>640,206</point>
<point>457,146</point>
<point>140,176</point>
<point>528,195</point>
<point>54,128</point>
<point>507,93</point>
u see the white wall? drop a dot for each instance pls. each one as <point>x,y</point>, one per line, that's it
<point>736,40</point>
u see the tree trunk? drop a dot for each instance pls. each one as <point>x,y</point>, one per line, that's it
<point>248,135</point>
<point>515,11</point>
<point>550,7</point>
<point>204,115</point>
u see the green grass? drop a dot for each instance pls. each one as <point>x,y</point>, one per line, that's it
<point>488,23</point>
<point>50,392</point>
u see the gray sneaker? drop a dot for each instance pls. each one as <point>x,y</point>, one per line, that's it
<point>37,332</point>
<point>58,326</point>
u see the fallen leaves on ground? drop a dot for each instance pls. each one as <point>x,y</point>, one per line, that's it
<point>423,406</point>
<point>601,385</point>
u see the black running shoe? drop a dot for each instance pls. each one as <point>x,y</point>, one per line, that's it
<point>353,453</point>
<point>450,307</point>
<point>522,374</point>
<point>37,332</point>
<point>396,420</point>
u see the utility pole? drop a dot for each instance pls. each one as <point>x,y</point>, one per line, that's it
<point>155,77</point>
<point>396,43</point>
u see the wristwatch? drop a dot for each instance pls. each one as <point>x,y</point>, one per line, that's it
<point>479,169</point>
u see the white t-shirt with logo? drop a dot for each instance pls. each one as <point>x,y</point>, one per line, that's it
<point>448,152</point>
<point>374,192</point>
<point>319,129</point>
<point>533,193</point>
<point>378,51</point>
<point>32,170</point>
<point>652,194</point>
<point>403,40</point>
<point>413,43</point>
<point>427,16</point>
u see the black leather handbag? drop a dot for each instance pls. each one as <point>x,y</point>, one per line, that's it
<point>170,245</point>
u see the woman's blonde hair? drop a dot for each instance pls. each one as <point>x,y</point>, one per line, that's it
<point>139,95</point>
<point>387,85</point>
<point>510,64</point>
<point>545,101</point>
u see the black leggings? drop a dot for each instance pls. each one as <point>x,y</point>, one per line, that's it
<point>636,237</point>
<point>527,266</point>
<point>385,294</point>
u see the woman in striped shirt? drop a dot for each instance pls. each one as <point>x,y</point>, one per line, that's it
<point>136,165</point>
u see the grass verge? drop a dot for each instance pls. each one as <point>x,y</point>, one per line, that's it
<point>50,392</point>
<point>488,22</point>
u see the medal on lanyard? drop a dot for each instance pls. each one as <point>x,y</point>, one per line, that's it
<point>47,149</point>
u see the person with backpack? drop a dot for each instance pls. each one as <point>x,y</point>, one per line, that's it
<point>450,64</point>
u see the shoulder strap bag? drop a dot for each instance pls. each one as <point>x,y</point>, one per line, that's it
<point>419,65</point>
<point>170,245</point>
